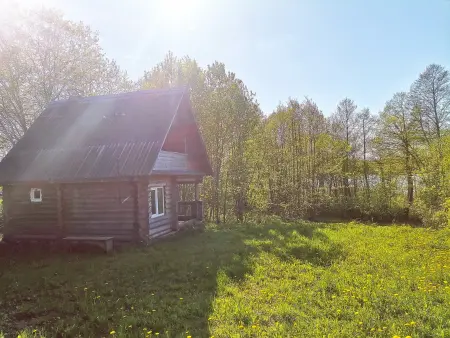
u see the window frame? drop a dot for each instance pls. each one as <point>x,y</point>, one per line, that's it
<point>158,213</point>
<point>33,199</point>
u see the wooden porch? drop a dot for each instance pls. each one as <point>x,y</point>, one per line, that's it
<point>189,206</point>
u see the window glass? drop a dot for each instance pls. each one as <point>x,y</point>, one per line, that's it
<point>35,195</point>
<point>160,200</point>
<point>153,201</point>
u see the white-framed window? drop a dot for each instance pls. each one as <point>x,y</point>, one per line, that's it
<point>36,195</point>
<point>157,201</point>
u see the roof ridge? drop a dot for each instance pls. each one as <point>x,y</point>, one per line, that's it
<point>115,144</point>
<point>169,90</point>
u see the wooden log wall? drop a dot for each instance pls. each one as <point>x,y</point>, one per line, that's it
<point>118,209</point>
<point>93,209</point>
<point>143,211</point>
<point>162,225</point>
<point>23,217</point>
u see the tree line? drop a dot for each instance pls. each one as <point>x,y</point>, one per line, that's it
<point>295,162</point>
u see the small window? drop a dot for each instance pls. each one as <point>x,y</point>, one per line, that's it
<point>35,195</point>
<point>157,201</point>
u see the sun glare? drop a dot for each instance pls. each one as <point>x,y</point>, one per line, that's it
<point>179,13</point>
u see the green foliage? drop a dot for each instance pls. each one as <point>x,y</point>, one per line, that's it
<point>44,58</point>
<point>272,279</point>
<point>295,162</point>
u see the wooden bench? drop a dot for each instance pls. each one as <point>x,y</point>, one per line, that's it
<point>105,243</point>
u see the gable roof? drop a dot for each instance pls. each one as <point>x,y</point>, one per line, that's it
<point>94,138</point>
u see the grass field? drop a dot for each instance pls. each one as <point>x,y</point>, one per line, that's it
<point>269,280</point>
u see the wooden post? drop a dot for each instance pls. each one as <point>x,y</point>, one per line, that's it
<point>196,191</point>
<point>198,205</point>
<point>174,201</point>
<point>59,209</point>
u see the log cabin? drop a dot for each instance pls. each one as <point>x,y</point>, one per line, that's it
<point>106,165</point>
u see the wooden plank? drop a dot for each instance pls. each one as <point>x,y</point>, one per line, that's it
<point>105,243</point>
<point>87,238</point>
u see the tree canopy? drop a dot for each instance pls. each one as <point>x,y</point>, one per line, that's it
<point>295,162</point>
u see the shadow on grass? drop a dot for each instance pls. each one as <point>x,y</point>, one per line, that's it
<point>167,287</point>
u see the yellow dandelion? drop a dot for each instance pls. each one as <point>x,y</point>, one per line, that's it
<point>149,332</point>
<point>396,336</point>
<point>189,337</point>
<point>253,326</point>
<point>413,323</point>
<point>112,332</point>
<point>156,333</point>
<point>241,326</point>
<point>408,337</point>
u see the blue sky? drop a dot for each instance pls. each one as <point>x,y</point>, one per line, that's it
<point>327,50</point>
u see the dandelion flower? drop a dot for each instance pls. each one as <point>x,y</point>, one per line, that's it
<point>112,332</point>
<point>396,336</point>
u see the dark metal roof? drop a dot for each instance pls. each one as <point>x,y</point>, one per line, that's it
<point>94,138</point>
